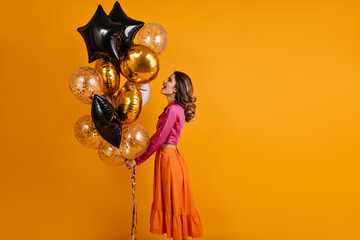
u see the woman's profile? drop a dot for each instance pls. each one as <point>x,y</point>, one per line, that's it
<point>173,209</point>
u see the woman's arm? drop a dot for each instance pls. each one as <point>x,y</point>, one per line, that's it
<point>131,162</point>
<point>152,138</point>
<point>162,133</point>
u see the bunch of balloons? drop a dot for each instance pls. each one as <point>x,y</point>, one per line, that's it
<point>117,44</point>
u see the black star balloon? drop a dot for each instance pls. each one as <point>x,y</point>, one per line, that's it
<point>101,36</point>
<point>106,120</point>
<point>109,36</point>
<point>132,26</point>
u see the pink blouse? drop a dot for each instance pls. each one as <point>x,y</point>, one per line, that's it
<point>169,127</point>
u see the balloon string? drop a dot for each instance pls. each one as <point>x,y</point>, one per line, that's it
<point>134,219</point>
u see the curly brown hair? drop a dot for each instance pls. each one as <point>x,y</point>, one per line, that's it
<point>184,95</point>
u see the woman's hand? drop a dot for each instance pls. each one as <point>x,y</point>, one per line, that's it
<point>130,163</point>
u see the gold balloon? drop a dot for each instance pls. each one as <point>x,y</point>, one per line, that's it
<point>153,36</point>
<point>129,103</point>
<point>110,75</point>
<point>109,154</point>
<point>85,132</point>
<point>139,64</point>
<point>134,141</point>
<point>84,83</point>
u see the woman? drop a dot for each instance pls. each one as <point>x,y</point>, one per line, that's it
<point>173,210</point>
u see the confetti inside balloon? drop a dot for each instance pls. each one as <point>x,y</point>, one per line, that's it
<point>85,132</point>
<point>134,141</point>
<point>84,83</point>
<point>153,36</point>
<point>109,154</point>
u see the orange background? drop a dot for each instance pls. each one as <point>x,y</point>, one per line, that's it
<point>273,155</point>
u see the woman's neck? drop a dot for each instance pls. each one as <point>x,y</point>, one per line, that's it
<point>171,102</point>
<point>170,99</point>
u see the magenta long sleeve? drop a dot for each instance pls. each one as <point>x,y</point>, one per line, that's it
<point>169,128</point>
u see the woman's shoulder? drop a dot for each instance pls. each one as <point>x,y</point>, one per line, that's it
<point>175,107</point>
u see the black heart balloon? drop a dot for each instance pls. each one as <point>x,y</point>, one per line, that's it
<point>106,120</point>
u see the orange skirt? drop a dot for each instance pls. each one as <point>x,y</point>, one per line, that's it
<point>173,209</point>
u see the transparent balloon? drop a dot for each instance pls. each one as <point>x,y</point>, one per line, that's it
<point>85,132</point>
<point>134,141</point>
<point>110,155</point>
<point>153,36</point>
<point>84,83</point>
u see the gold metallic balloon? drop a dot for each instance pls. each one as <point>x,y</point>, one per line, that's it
<point>134,141</point>
<point>153,36</point>
<point>129,103</point>
<point>85,132</point>
<point>110,75</point>
<point>109,154</point>
<point>84,83</point>
<point>139,64</point>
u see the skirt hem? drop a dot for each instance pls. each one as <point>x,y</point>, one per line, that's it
<point>185,225</point>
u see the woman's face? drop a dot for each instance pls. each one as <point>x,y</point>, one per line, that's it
<point>169,86</point>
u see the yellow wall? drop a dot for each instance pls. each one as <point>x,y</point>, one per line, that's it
<point>273,155</point>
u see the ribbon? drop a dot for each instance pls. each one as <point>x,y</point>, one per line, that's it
<point>134,217</point>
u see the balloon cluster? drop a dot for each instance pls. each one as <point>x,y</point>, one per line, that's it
<point>117,44</point>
